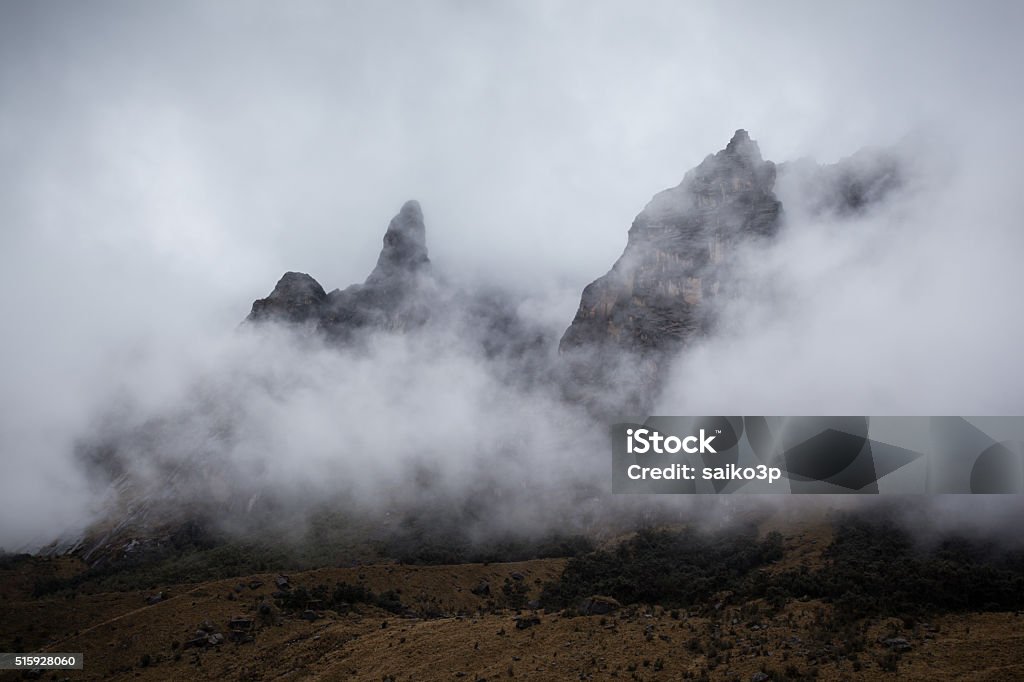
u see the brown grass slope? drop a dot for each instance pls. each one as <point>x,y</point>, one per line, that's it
<point>449,630</point>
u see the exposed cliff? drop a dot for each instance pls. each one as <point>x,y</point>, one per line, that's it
<point>396,295</point>
<point>297,298</point>
<point>659,294</point>
<point>402,293</point>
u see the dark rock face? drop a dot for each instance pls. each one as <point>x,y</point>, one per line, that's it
<point>659,294</point>
<point>402,293</point>
<point>598,606</point>
<point>405,247</point>
<point>658,297</point>
<point>396,295</point>
<point>297,298</point>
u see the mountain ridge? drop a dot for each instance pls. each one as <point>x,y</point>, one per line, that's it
<point>657,298</point>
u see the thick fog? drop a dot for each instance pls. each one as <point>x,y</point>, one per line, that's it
<point>910,308</point>
<point>162,165</point>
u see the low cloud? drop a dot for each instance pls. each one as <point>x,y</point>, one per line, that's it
<point>162,166</point>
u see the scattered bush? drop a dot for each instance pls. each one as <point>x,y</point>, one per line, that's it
<point>874,568</point>
<point>673,569</point>
<point>342,595</point>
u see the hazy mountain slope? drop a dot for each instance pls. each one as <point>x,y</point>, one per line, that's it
<point>230,454</point>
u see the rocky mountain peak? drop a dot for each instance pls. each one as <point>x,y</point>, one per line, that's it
<point>297,298</point>
<point>658,294</point>
<point>389,298</point>
<point>743,147</point>
<point>677,248</point>
<point>405,245</point>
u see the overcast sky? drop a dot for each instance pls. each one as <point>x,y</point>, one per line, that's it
<point>162,164</point>
<point>198,150</point>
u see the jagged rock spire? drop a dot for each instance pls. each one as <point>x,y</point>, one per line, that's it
<point>391,297</point>
<point>676,244</point>
<point>405,245</point>
<point>656,296</point>
<point>742,146</point>
<point>296,298</point>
